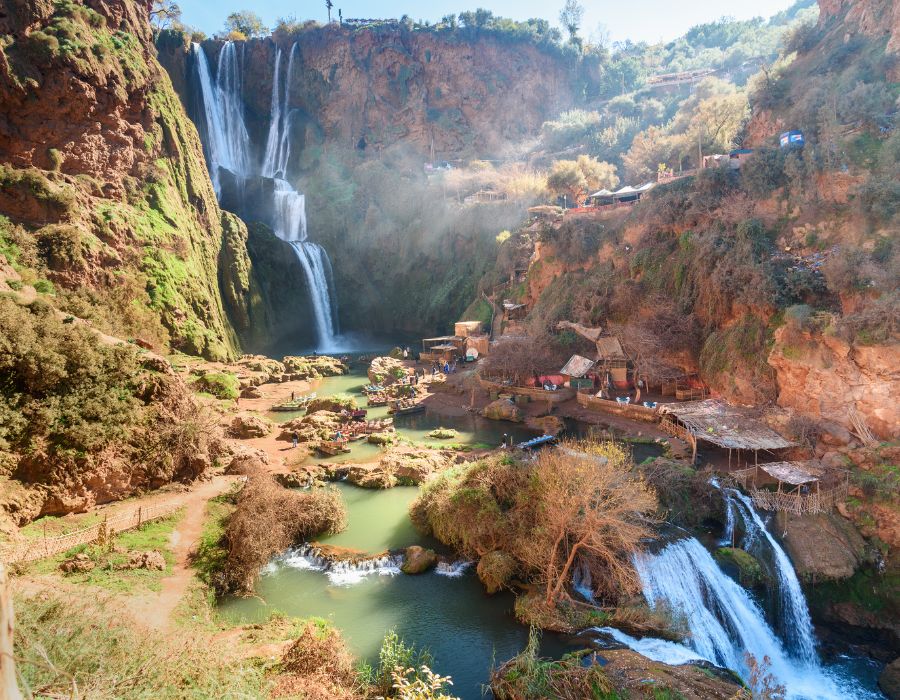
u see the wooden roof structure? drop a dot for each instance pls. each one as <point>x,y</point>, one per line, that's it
<point>724,425</point>
<point>793,473</point>
<point>577,366</point>
<point>609,348</point>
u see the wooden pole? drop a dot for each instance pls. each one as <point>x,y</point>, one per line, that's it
<point>9,688</point>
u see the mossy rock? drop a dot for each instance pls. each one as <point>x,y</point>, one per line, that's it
<point>222,385</point>
<point>381,439</point>
<point>335,404</point>
<point>418,560</point>
<point>496,569</point>
<point>750,571</point>
<point>443,434</point>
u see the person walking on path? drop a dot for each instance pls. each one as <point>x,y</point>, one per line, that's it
<point>295,438</point>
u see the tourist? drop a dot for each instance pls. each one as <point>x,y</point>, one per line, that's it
<point>292,396</point>
<point>503,444</point>
<point>405,353</point>
<point>338,436</point>
<point>295,438</point>
<point>446,368</point>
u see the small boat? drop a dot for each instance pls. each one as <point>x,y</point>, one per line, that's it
<point>406,407</point>
<point>375,400</point>
<point>538,442</point>
<point>358,415</point>
<point>373,389</point>
<point>333,447</point>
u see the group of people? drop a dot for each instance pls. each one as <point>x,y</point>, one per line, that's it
<point>447,368</point>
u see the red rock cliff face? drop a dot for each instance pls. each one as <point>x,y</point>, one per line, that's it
<point>825,377</point>
<point>375,89</point>
<point>871,17</point>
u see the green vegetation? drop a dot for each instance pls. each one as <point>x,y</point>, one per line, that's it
<point>111,567</point>
<point>222,385</point>
<point>749,570</point>
<point>529,676</point>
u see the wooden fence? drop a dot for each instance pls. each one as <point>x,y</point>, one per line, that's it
<point>26,550</point>
<point>799,504</point>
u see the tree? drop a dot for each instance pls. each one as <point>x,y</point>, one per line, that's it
<point>164,14</point>
<point>573,178</point>
<point>592,508</point>
<point>570,18</point>
<point>328,5</point>
<point>246,23</point>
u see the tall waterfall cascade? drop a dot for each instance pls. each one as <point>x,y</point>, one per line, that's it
<point>726,626</point>
<point>228,147</point>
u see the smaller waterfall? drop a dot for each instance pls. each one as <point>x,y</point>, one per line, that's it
<point>581,581</point>
<point>340,573</point>
<point>452,569</point>
<point>278,144</point>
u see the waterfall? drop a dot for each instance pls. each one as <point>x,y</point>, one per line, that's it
<point>340,573</point>
<point>454,569</point>
<point>725,623</point>
<point>793,612</point>
<point>278,144</point>
<point>228,147</point>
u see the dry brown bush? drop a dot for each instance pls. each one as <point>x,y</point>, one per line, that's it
<point>268,520</point>
<point>317,665</point>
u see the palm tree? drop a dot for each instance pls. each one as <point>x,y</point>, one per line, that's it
<point>328,5</point>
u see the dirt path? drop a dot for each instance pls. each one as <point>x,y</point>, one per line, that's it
<point>156,610</point>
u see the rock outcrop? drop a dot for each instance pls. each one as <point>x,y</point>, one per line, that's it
<point>384,370</point>
<point>823,547</point>
<point>826,377</point>
<point>247,426</point>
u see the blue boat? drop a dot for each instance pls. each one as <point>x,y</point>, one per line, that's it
<point>537,442</point>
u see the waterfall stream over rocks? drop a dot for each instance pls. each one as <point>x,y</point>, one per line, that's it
<point>725,625</point>
<point>228,148</point>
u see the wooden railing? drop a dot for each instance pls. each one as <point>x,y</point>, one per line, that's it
<point>26,550</point>
<point>629,410</point>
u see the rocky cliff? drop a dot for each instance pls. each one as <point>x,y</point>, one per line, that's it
<point>103,172</point>
<point>370,89</point>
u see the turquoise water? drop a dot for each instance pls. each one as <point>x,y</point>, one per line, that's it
<point>466,631</point>
<point>473,430</point>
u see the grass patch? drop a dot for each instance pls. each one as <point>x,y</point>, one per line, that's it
<point>63,643</point>
<point>108,560</point>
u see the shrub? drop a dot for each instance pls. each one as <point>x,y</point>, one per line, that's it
<point>44,287</point>
<point>60,246</point>
<point>267,520</point>
<point>318,657</point>
<point>222,385</point>
<point>763,172</point>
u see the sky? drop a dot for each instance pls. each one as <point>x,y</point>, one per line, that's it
<point>638,20</point>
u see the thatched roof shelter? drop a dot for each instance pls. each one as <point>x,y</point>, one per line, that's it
<point>723,425</point>
<point>793,473</point>
<point>609,348</point>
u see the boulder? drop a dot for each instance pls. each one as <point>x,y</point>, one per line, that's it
<point>79,564</point>
<point>414,466</point>
<point>247,462</point>
<point>246,426</point>
<point>889,681</point>
<point>418,560</point>
<point>835,434</point>
<point>495,570</point>
<point>321,425</point>
<point>251,392</point>
<point>822,546</point>
<point>503,409</point>
<point>314,367</point>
